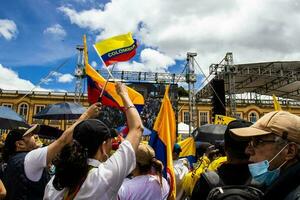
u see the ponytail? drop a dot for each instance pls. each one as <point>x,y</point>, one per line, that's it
<point>158,167</point>
<point>70,166</point>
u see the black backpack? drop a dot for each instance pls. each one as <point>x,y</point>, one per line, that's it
<point>220,191</point>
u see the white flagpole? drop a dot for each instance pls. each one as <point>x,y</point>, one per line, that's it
<point>110,74</point>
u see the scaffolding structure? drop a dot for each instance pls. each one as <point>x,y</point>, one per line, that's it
<point>191,80</point>
<point>79,74</point>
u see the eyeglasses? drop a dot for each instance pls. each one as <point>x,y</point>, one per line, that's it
<point>258,141</point>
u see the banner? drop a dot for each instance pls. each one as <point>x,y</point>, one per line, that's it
<point>223,120</point>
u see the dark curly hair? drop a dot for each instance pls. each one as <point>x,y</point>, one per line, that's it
<point>71,165</point>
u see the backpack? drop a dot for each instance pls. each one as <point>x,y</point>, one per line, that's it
<point>220,191</point>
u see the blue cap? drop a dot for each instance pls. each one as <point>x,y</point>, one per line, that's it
<point>177,148</point>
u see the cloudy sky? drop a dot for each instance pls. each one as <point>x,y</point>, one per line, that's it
<point>38,36</point>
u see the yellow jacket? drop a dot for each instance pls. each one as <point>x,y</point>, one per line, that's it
<point>202,165</point>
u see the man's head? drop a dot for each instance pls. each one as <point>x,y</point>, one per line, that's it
<point>234,147</point>
<point>19,140</point>
<point>274,137</point>
<point>176,151</point>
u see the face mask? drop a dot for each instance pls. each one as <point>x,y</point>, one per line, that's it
<point>260,173</point>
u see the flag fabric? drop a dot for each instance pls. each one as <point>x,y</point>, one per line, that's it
<point>116,49</point>
<point>223,120</point>
<point>188,149</point>
<point>277,106</point>
<point>163,140</point>
<point>96,83</point>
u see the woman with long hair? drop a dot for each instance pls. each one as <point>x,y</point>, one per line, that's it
<point>84,169</point>
<point>147,182</point>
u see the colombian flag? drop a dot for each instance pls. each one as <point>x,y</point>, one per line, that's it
<point>188,149</point>
<point>164,138</point>
<point>116,49</point>
<point>96,83</point>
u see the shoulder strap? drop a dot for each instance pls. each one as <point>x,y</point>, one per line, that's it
<point>213,179</point>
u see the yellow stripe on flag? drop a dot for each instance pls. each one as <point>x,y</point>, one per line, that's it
<point>165,125</point>
<point>113,43</point>
<point>188,147</point>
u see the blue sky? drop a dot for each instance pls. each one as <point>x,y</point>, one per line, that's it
<point>36,36</point>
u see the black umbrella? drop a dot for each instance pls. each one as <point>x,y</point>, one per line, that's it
<point>211,133</point>
<point>61,111</point>
<point>9,119</point>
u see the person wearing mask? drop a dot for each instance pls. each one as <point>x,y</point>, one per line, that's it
<point>25,175</point>
<point>147,182</point>
<point>274,154</point>
<point>85,169</point>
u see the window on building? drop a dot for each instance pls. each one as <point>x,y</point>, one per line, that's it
<point>253,117</point>
<point>203,118</point>
<point>239,115</point>
<point>38,108</point>
<point>23,110</point>
<point>9,105</point>
<point>186,117</point>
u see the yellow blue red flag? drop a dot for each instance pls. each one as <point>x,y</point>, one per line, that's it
<point>116,49</point>
<point>96,83</point>
<point>188,149</point>
<point>164,138</point>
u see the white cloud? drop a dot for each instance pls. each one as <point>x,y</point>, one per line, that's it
<point>151,61</point>
<point>10,80</point>
<point>253,30</point>
<point>63,78</point>
<point>8,29</point>
<point>56,30</point>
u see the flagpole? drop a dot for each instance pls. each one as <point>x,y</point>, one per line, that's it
<point>110,74</point>
<point>101,94</point>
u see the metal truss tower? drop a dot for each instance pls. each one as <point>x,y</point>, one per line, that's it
<point>191,79</point>
<point>230,73</point>
<point>79,74</point>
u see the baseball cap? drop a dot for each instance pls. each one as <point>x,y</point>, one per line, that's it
<point>280,123</point>
<point>91,133</point>
<point>15,135</point>
<point>144,154</point>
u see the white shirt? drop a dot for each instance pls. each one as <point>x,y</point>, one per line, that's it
<point>144,187</point>
<point>34,163</point>
<point>104,181</point>
<point>180,170</point>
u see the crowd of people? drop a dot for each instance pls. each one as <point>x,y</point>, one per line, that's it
<point>256,161</point>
